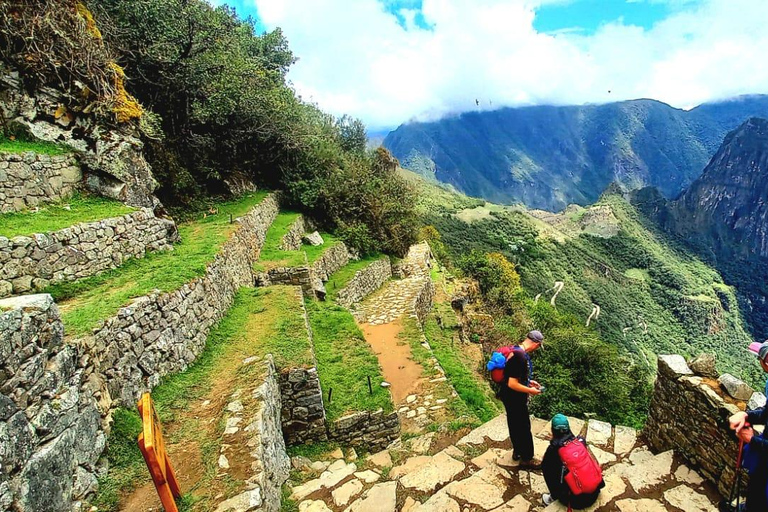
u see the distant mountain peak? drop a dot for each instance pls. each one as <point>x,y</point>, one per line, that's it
<point>550,156</point>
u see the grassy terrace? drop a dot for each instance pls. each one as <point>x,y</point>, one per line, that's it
<point>475,393</point>
<point>60,215</point>
<point>341,278</point>
<point>86,302</point>
<point>272,256</point>
<point>261,321</point>
<point>344,362</point>
<point>22,146</point>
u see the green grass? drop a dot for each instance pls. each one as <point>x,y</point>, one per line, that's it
<point>86,302</point>
<point>272,256</point>
<point>59,215</point>
<point>126,465</point>
<point>22,146</point>
<point>260,321</point>
<point>343,276</point>
<point>475,394</point>
<point>344,362</point>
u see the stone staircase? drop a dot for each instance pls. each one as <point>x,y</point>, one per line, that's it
<point>477,473</point>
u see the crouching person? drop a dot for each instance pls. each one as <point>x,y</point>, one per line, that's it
<point>572,474</point>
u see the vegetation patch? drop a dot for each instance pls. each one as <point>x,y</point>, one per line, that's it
<point>467,381</point>
<point>63,214</point>
<point>86,302</point>
<point>20,145</point>
<point>345,361</point>
<point>272,256</point>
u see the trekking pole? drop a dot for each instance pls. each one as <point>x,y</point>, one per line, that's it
<point>736,485</point>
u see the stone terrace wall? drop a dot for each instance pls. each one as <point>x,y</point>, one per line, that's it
<point>30,179</point>
<point>689,416</point>
<point>372,430</point>
<point>83,250</point>
<point>270,464</point>
<point>308,277</point>
<point>422,304</point>
<point>331,260</point>
<point>303,411</point>
<point>303,416</point>
<point>292,239</point>
<point>365,282</point>
<point>162,333</point>
<point>50,430</point>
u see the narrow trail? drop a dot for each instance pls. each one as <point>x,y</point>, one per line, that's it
<point>400,370</point>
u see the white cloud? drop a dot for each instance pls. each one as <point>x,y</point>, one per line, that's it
<point>356,58</point>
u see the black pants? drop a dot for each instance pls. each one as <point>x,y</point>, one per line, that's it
<point>756,499</point>
<point>519,424</point>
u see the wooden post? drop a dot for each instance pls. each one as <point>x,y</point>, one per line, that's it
<point>152,446</point>
<point>370,388</point>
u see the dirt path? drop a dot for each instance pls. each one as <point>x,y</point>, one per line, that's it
<point>395,357</point>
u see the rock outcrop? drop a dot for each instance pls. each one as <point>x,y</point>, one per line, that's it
<point>112,158</point>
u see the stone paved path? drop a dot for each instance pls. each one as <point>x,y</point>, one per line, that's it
<point>431,394</point>
<point>477,473</point>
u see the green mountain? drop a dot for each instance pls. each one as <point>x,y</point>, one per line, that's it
<point>722,215</point>
<point>548,157</point>
<point>654,295</point>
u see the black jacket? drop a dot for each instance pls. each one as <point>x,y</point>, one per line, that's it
<point>758,479</point>
<point>554,472</point>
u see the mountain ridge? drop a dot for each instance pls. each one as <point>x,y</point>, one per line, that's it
<point>550,156</point>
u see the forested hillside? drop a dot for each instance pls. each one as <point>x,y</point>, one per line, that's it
<point>653,296</point>
<point>208,98</point>
<point>548,156</point>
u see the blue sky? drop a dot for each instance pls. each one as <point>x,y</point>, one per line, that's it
<point>389,61</point>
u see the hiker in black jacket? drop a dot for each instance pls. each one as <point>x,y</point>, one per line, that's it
<point>554,470</point>
<point>742,423</point>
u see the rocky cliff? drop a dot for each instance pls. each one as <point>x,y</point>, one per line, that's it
<point>725,208</point>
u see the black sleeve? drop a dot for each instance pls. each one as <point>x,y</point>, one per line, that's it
<point>516,368</point>
<point>755,417</point>
<point>552,467</point>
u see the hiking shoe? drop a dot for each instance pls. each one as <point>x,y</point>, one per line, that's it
<point>530,464</point>
<point>515,457</point>
<point>547,499</point>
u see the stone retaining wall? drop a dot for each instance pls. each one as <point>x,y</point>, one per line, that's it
<point>422,304</point>
<point>270,465</point>
<point>292,239</point>
<point>50,429</point>
<point>86,249</point>
<point>30,179</point>
<point>303,414</point>
<point>162,333</point>
<point>309,277</point>
<point>365,282</point>
<point>691,417</point>
<point>372,430</point>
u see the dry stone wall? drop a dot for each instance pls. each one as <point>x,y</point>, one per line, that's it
<point>309,277</point>
<point>372,430</point>
<point>30,179</point>
<point>303,412</point>
<point>365,282</point>
<point>292,240</point>
<point>162,333</point>
<point>86,249</point>
<point>688,415</point>
<point>50,429</point>
<point>270,464</point>
<point>422,304</point>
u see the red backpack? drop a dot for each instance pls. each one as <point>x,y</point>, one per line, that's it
<point>497,374</point>
<point>584,474</point>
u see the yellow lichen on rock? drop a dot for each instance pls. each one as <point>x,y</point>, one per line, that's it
<point>125,106</point>
<point>90,23</point>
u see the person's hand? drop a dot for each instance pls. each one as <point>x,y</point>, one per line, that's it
<point>535,384</point>
<point>738,421</point>
<point>746,434</point>
<point>534,391</point>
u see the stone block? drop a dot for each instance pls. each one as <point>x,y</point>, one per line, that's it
<point>735,387</point>
<point>704,365</point>
<point>673,365</point>
<point>756,401</point>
